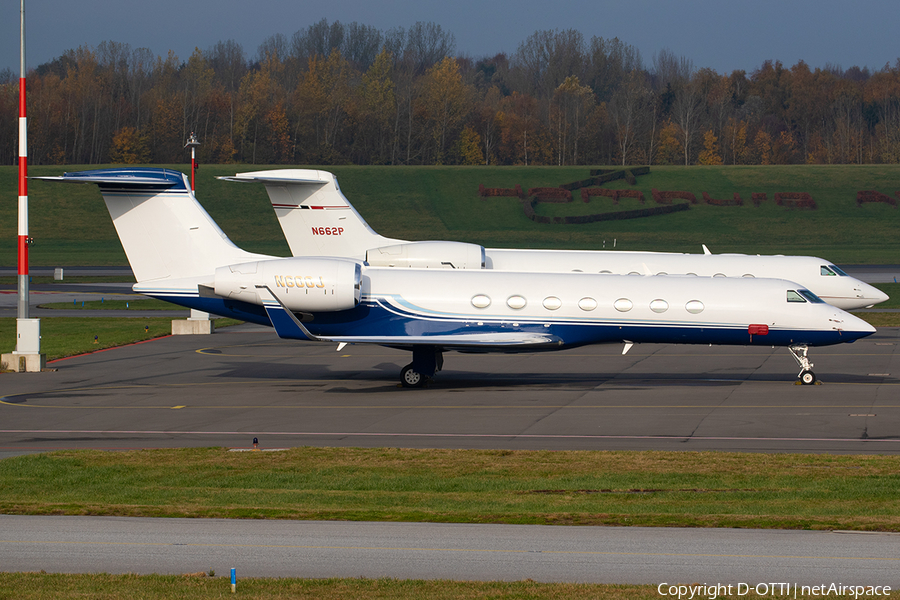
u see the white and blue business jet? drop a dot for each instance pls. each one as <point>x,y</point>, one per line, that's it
<point>179,254</point>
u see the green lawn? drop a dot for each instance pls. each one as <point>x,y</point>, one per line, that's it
<point>68,336</point>
<point>138,303</point>
<point>687,489</point>
<point>200,586</point>
<point>70,224</point>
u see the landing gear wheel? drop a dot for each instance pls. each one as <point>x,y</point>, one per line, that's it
<point>807,378</point>
<point>409,377</point>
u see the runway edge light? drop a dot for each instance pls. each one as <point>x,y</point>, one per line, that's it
<point>233,580</point>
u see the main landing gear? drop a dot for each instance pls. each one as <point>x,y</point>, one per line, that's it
<point>799,352</point>
<point>427,360</point>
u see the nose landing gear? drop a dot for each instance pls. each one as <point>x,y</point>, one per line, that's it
<point>799,352</point>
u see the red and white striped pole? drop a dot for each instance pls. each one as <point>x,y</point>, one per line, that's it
<point>23,180</point>
<point>27,355</point>
<point>192,143</point>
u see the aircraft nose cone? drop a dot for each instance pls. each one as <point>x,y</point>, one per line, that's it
<point>854,326</point>
<point>879,296</point>
<point>872,294</point>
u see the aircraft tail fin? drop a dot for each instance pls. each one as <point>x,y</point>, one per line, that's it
<point>316,218</point>
<point>165,232</point>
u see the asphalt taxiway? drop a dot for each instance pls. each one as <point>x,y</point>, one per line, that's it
<point>243,382</point>
<point>316,549</point>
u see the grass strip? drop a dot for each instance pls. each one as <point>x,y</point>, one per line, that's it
<point>47,279</point>
<point>892,290</point>
<point>422,203</point>
<point>28,586</point>
<point>137,303</point>
<point>880,319</point>
<point>69,336</point>
<point>689,489</point>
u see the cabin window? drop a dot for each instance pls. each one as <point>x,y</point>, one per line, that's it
<point>516,302</point>
<point>695,307</point>
<point>623,305</point>
<point>719,275</point>
<point>823,270</point>
<point>552,303</point>
<point>838,270</point>
<point>793,296</point>
<point>659,306</point>
<point>810,296</point>
<point>749,275</point>
<point>606,272</point>
<point>587,304</point>
<point>481,301</point>
<point>662,273</point>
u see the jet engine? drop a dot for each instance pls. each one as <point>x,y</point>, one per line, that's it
<point>301,284</point>
<point>428,255</point>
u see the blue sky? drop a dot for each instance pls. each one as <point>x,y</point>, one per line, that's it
<point>720,34</point>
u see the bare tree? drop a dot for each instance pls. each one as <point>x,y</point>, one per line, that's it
<point>544,61</point>
<point>627,104</point>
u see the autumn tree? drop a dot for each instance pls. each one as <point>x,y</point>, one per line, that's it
<point>258,95</point>
<point>710,154</point>
<point>487,120</point>
<point>570,109</point>
<point>468,147</point>
<point>669,147</point>
<point>129,147</point>
<point>323,101</point>
<point>374,111</point>
<point>521,132</point>
<point>446,102</point>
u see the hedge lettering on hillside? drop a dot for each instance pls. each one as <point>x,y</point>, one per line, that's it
<point>795,200</point>
<point>607,216</point>
<point>872,196</point>
<point>736,201</point>
<point>667,197</point>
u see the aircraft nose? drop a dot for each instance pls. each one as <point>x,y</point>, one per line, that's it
<point>872,293</point>
<point>853,326</point>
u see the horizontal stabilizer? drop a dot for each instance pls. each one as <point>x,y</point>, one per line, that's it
<point>271,177</point>
<point>160,179</point>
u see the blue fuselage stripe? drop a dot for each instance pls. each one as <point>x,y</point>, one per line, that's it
<point>373,319</point>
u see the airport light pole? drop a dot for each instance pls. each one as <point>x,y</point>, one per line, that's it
<point>23,177</point>
<point>27,355</point>
<point>192,143</point>
<point>199,321</point>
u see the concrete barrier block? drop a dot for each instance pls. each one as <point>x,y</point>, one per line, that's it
<point>192,327</point>
<point>23,363</point>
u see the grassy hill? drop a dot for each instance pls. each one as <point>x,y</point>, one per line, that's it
<point>71,226</point>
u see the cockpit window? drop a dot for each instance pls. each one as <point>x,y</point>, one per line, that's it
<point>793,296</point>
<point>810,296</point>
<point>823,270</point>
<point>838,270</point>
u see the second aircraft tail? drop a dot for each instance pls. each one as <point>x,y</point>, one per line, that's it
<point>317,219</point>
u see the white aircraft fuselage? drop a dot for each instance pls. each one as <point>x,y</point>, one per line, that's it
<point>318,220</point>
